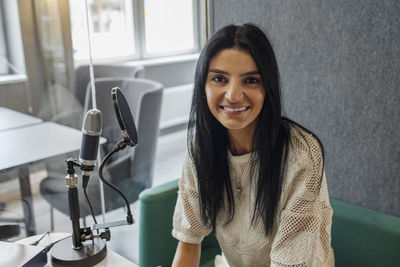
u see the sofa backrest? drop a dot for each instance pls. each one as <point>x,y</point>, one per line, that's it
<point>363,237</point>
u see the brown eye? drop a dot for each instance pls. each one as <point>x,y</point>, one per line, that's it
<point>252,80</point>
<point>219,79</point>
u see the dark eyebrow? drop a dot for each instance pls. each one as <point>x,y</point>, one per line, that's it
<point>255,72</point>
<point>218,71</point>
<point>226,73</point>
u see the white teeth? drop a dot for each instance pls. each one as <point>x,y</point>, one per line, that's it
<point>235,109</point>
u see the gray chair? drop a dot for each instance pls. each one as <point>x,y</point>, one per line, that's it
<point>132,170</point>
<point>82,76</point>
<point>71,114</point>
<point>8,231</point>
<point>9,226</point>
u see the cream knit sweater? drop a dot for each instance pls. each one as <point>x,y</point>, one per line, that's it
<point>302,234</point>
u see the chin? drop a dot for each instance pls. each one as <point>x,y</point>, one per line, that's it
<point>237,125</point>
<point>234,126</point>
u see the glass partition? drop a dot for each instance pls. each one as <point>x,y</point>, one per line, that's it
<point>45,91</point>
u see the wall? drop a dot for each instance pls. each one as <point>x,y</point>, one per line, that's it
<point>339,64</point>
<point>177,79</point>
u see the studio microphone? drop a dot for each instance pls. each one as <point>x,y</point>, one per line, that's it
<point>91,132</point>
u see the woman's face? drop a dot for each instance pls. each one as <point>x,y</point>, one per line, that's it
<point>234,90</point>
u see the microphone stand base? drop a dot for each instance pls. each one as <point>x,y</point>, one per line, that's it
<point>91,253</point>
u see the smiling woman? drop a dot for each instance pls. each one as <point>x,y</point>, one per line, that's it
<point>235,94</point>
<point>253,177</point>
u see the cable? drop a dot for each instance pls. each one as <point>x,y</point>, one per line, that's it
<point>90,205</point>
<point>48,247</point>
<point>40,239</point>
<point>121,145</point>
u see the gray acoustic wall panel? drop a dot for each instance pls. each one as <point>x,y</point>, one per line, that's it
<point>340,68</point>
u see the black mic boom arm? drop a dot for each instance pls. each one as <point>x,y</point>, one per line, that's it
<point>110,224</point>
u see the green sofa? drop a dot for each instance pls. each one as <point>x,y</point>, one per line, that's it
<point>360,237</point>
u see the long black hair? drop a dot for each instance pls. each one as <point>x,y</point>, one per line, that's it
<point>208,138</point>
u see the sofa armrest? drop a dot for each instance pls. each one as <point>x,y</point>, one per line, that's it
<point>156,244</point>
<point>364,237</point>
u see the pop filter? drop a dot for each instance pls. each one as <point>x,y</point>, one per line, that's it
<point>124,116</point>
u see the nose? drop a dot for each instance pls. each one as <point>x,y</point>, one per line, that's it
<point>234,92</point>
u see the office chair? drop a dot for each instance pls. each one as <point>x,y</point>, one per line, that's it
<point>82,76</point>
<point>8,231</point>
<point>132,170</point>
<point>9,226</point>
<point>72,116</point>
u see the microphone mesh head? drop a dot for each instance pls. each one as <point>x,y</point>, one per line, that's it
<point>92,122</point>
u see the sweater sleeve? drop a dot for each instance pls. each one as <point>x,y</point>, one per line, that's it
<point>303,237</point>
<point>187,223</point>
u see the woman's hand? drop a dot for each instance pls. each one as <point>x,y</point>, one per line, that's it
<point>187,255</point>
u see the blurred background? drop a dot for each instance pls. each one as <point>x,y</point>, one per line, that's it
<point>340,78</point>
<point>44,73</point>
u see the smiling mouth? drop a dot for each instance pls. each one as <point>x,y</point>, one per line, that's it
<point>232,109</point>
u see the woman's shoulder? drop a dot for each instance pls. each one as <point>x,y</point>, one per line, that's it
<point>189,176</point>
<point>304,143</point>
<point>304,165</point>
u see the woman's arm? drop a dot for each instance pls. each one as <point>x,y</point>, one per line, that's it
<point>188,226</point>
<point>303,237</point>
<point>187,255</point>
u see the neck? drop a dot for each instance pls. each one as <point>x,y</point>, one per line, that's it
<point>240,142</point>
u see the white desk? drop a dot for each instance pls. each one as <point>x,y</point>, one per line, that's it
<point>36,142</point>
<point>24,145</point>
<point>112,258</point>
<point>11,119</point>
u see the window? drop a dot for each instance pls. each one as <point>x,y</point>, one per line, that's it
<point>110,25</point>
<point>11,51</point>
<point>3,51</point>
<point>133,29</point>
<point>168,26</point>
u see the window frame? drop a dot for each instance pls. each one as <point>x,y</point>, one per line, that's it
<point>140,37</point>
<point>11,40</point>
<point>4,69</point>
